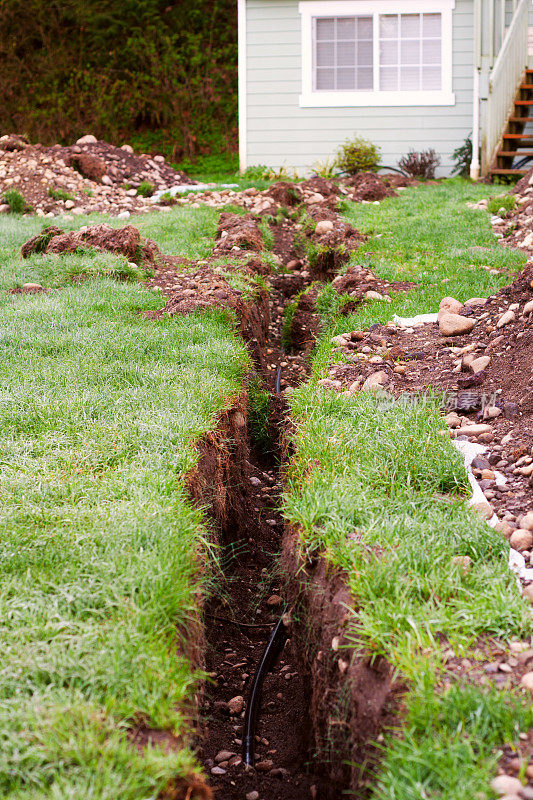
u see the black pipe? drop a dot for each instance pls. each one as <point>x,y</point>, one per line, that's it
<point>278,380</point>
<point>268,659</point>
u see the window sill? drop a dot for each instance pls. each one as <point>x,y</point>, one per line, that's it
<point>378,99</point>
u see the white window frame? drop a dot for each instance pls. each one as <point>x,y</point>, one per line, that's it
<point>312,98</point>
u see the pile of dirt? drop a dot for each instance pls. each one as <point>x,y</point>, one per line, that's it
<point>124,241</point>
<point>86,177</point>
<point>360,283</point>
<point>236,232</point>
<point>369,186</point>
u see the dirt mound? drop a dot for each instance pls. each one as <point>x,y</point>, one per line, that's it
<point>286,194</point>
<point>124,241</point>
<point>369,186</point>
<point>236,231</point>
<point>524,183</point>
<point>321,186</point>
<point>357,281</point>
<point>83,178</point>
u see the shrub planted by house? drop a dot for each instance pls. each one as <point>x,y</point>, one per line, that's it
<point>420,164</point>
<point>358,155</point>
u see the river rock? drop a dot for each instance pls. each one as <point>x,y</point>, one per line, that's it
<point>451,305</point>
<point>375,381</point>
<point>528,308</point>
<point>484,510</point>
<point>324,226</point>
<point>527,681</point>
<point>473,430</point>
<point>506,784</point>
<point>527,521</point>
<point>454,325</point>
<point>87,139</point>
<point>479,364</point>
<point>506,318</point>
<point>521,539</point>
<point>475,301</point>
<point>236,705</point>
<point>224,755</point>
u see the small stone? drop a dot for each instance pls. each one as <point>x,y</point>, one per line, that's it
<point>123,215</point>
<point>476,301</point>
<point>274,600</point>
<point>528,308</point>
<point>521,539</point>
<point>485,510</point>
<point>127,147</point>
<point>453,420</point>
<point>324,226</point>
<point>451,305</point>
<point>106,180</point>
<point>506,318</point>
<point>473,430</point>
<point>252,795</point>
<point>77,211</point>
<point>87,139</point>
<point>32,287</point>
<point>236,705</point>
<point>372,295</point>
<point>464,563</point>
<point>454,325</point>
<point>528,592</point>
<point>375,381</point>
<point>527,681</point>
<point>527,521</point>
<point>217,771</point>
<point>479,364</point>
<point>491,412</point>
<point>224,755</point>
<point>506,784</point>
<point>503,528</point>
<point>264,766</point>
<point>69,203</point>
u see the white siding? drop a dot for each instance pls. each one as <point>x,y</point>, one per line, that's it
<point>280,133</point>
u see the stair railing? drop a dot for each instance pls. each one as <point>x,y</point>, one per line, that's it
<point>504,80</point>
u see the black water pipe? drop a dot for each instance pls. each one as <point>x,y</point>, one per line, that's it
<point>268,659</point>
<point>278,380</point>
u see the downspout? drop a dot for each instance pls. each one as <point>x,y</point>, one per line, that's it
<point>242,85</point>
<point>474,164</point>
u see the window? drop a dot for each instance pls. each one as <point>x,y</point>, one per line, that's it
<point>382,53</point>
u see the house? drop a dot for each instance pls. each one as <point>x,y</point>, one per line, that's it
<point>406,74</point>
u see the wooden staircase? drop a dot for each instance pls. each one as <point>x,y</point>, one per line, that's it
<point>516,145</point>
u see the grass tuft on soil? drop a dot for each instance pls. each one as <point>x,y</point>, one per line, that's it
<point>377,490</point>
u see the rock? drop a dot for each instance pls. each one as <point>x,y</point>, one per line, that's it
<point>491,412</point>
<point>217,771</point>
<point>485,510</point>
<point>87,139</point>
<point>372,295</point>
<point>106,180</point>
<point>473,430</point>
<point>527,681</point>
<point>264,766</point>
<point>274,600</point>
<point>528,592</point>
<point>77,211</point>
<point>324,226</point>
<point>505,784</point>
<point>527,521</point>
<point>453,420</point>
<point>479,364</point>
<point>504,528</point>
<point>506,318</point>
<point>123,215</point>
<point>89,166</point>
<point>295,264</point>
<point>4,208</point>
<point>521,539</point>
<point>476,301</point>
<point>454,325</point>
<point>451,305</point>
<point>32,287</point>
<point>236,705</point>
<point>528,308</point>
<point>252,795</point>
<point>127,147</point>
<point>224,755</point>
<point>69,203</point>
<point>375,381</point>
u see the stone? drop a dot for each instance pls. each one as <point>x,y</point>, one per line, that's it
<point>264,766</point>
<point>69,203</point>
<point>450,304</point>
<point>491,412</point>
<point>236,705</point>
<point>473,430</point>
<point>32,287</point>
<point>127,147</point>
<point>479,364</point>
<point>324,226</point>
<point>274,600</point>
<point>106,180</point>
<point>528,592</point>
<point>78,212</point>
<point>485,510</point>
<point>475,301</point>
<point>527,521</point>
<point>454,325</point>
<point>506,318</point>
<point>528,308</point>
<point>504,528</point>
<point>453,420</point>
<point>527,681</point>
<point>252,795</point>
<point>217,771</point>
<point>87,139</point>
<point>521,539</point>
<point>464,563</point>
<point>5,208</point>
<point>123,215</point>
<point>224,755</point>
<point>375,381</point>
<point>506,784</point>
<point>372,295</point>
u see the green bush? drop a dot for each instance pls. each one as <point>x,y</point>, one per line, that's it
<point>58,194</point>
<point>462,157</point>
<point>145,189</point>
<point>16,202</point>
<point>505,201</point>
<point>358,155</point>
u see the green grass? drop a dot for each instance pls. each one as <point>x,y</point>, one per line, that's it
<point>380,493</point>
<point>103,559</point>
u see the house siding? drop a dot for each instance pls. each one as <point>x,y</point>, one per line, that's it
<point>281,134</point>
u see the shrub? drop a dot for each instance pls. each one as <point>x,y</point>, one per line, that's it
<point>420,165</point>
<point>325,169</point>
<point>167,199</point>
<point>502,202</point>
<point>463,158</point>
<point>358,155</point>
<point>16,202</point>
<point>58,194</point>
<point>145,189</point>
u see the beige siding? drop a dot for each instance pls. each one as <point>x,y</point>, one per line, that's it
<point>280,133</point>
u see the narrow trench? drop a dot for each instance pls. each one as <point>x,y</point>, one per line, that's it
<point>241,617</point>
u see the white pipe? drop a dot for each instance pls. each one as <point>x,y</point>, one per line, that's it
<point>242,85</point>
<point>474,164</point>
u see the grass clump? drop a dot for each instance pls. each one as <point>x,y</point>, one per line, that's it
<point>501,204</point>
<point>358,155</point>
<point>16,202</point>
<point>145,189</point>
<point>56,193</point>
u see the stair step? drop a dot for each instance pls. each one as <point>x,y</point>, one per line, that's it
<point>523,102</point>
<point>521,119</point>
<point>509,171</point>
<point>526,86</point>
<point>519,138</point>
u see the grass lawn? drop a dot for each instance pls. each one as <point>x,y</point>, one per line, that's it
<point>378,491</point>
<point>100,409</point>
